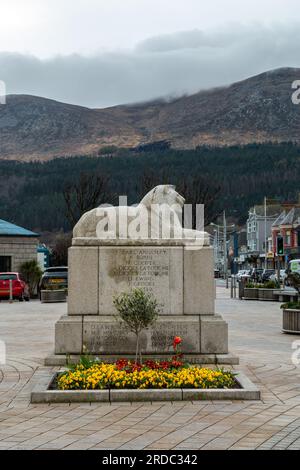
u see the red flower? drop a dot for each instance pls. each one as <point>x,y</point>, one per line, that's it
<point>177,340</point>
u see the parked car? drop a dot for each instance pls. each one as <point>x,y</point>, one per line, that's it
<point>20,289</point>
<point>217,273</point>
<point>54,277</point>
<point>256,274</point>
<point>267,273</point>
<point>282,275</point>
<point>240,273</point>
<point>243,274</point>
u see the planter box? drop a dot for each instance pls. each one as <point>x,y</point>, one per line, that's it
<point>53,296</point>
<point>285,295</point>
<point>291,321</point>
<point>245,390</point>
<point>266,294</point>
<point>250,293</point>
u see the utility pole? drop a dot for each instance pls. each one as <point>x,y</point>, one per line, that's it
<point>225,250</point>
<point>218,246</point>
<point>265,204</point>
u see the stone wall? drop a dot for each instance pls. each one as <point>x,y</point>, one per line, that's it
<point>180,278</point>
<point>20,249</point>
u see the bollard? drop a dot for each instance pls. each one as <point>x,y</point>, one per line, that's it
<point>241,288</point>
<point>10,292</point>
<point>231,287</point>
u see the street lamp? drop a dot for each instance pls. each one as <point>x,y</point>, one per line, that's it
<point>225,228</point>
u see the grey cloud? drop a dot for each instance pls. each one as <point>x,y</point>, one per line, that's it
<point>167,65</point>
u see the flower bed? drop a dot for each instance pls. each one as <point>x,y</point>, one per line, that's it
<point>171,380</point>
<point>150,375</point>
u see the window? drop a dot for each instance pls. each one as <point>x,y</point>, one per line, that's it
<point>288,238</point>
<point>5,263</point>
<point>298,238</point>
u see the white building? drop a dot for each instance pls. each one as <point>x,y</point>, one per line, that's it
<point>259,227</point>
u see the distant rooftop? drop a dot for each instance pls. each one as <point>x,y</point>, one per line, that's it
<point>279,219</point>
<point>11,230</point>
<point>293,217</point>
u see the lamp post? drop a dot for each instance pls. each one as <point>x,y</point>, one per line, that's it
<point>225,250</point>
<point>224,227</point>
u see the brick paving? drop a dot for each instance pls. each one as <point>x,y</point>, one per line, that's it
<point>255,335</point>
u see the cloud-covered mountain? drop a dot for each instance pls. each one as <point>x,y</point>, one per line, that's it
<point>173,64</point>
<point>258,109</point>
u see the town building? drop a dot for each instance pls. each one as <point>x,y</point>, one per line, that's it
<point>287,226</point>
<point>17,245</point>
<point>259,228</point>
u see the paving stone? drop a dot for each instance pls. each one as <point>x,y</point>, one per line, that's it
<point>255,336</point>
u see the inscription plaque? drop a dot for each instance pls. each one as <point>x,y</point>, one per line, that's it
<point>103,335</point>
<point>158,271</point>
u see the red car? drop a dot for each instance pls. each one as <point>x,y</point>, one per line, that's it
<point>19,287</point>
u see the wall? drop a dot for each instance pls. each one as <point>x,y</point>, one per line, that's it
<point>19,248</point>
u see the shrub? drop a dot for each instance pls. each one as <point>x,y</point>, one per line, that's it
<point>253,285</point>
<point>291,305</point>
<point>294,281</point>
<point>271,285</point>
<point>31,272</point>
<point>137,311</point>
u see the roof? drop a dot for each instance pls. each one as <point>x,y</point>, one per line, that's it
<point>11,230</point>
<point>293,217</point>
<point>279,219</point>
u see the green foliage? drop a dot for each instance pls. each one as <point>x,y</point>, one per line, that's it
<point>31,273</point>
<point>31,194</point>
<point>271,285</point>
<point>253,285</point>
<point>137,310</point>
<point>291,305</point>
<point>85,362</point>
<point>294,280</point>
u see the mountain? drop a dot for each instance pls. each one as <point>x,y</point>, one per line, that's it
<point>258,109</point>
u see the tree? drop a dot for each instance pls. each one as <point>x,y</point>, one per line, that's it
<point>89,192</point>
<point>150,179</point>
<point>59,256</point>
<point>31,272</point>
<point>294,281</point>
<point>137,311</point>
<point>201,190</point>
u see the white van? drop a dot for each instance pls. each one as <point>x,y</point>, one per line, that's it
<point>294,266</point>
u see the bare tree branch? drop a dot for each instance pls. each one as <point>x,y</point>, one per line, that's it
<point>89,192</point>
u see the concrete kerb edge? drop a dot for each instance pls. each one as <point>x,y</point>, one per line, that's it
<point>42,394</point>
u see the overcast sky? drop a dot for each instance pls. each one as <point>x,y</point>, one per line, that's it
<point>105,52</point>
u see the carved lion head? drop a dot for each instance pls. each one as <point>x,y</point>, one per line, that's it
<point>163,194</point>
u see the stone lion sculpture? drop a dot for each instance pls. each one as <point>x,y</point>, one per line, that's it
<point>158,215</point>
